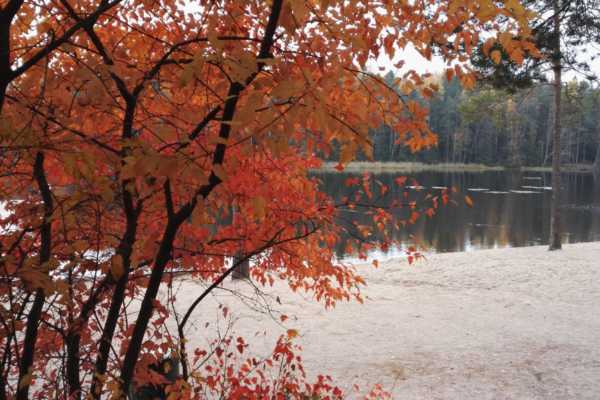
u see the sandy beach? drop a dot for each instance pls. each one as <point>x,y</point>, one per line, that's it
<point>520,323</point>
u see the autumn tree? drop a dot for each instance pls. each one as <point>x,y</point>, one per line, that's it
<point>131,129</point>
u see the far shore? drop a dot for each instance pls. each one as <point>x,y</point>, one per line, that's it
<point>407,167</point>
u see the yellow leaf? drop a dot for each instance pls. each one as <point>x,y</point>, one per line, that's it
<point>26,379</point>
<point>214,40</point>
<point>219,171</point>
<point>116,266</point>
<point>186,76</point>
<point>36,277</point>
<point>487,10</point>
<point>515,6</point>
<point>286,18</point>
<point>505,40</point>
<point>299,10</point>
<point>517,56</point>
<point>487,46</point>
<point>218,140</point>
<point>496,56</point>
<point>407,88</point>
<point>283,91</point>
<point>245,115</point>
<point>80,245</point>
<point>347,154</point>
<point>167,367</point>
<point>453,6</point>
<point>259,204</point>
<point>198,216</point>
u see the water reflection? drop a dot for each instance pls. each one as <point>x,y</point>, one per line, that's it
<point>510,209</point>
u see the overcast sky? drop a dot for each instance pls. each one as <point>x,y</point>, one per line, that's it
<point>413,60</point>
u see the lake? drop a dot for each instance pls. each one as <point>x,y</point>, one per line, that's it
<point>511,209</point>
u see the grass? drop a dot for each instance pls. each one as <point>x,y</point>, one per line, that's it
<point>402,167</point>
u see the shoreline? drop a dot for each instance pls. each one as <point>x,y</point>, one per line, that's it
<point>408,167</point>
<point>510,323</point>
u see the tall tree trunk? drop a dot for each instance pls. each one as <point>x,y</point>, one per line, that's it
<point>513,126</point>
<point>549,134</point>
<point>596,167</point>
<point>124,250</point>
<point>577,145</point>
<point>555,220</point>
<point>597,158</point>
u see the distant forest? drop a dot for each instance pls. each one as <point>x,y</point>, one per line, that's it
<point>496,127</point>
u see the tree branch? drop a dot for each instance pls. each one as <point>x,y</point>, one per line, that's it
<point>164,254</point>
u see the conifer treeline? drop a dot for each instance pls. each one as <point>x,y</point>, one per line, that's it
<point>496,127</point>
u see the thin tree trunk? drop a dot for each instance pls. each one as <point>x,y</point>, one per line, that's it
<point>596,167</point>
<point>577,140</point>
<point>242,271</point>
<point>125,249</point>
<point>73,377</point>
<point>549,135</point>
<point>555,217</point>
<point>597,159</point>
<point>35,313</point>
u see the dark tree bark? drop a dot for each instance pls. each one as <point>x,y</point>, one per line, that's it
<point>124,251</point>
<point>555,221</point>
<point>242,271</point>
<point>6,18</point>
<point>597,157</point>
<point>125,248</point>
<point>7,14</point>
<point>35,313</point>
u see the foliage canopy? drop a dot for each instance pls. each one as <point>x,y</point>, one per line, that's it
<point>132,130</point>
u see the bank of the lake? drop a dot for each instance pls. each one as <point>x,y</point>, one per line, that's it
<point>517,323</point>
<point>408,167</point>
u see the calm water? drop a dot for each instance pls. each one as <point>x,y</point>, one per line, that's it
<point>499,218</point>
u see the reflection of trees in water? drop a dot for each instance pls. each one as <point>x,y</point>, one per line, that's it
<point>496,220</point>
<point>581,206</point>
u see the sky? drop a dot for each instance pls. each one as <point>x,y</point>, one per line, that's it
<point>413,60</point>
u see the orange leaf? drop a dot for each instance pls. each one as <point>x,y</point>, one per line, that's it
<point>468,201</point>
<point>259,204</point>
<point>496,56</point>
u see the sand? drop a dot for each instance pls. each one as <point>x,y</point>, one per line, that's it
<point>520,323</point>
